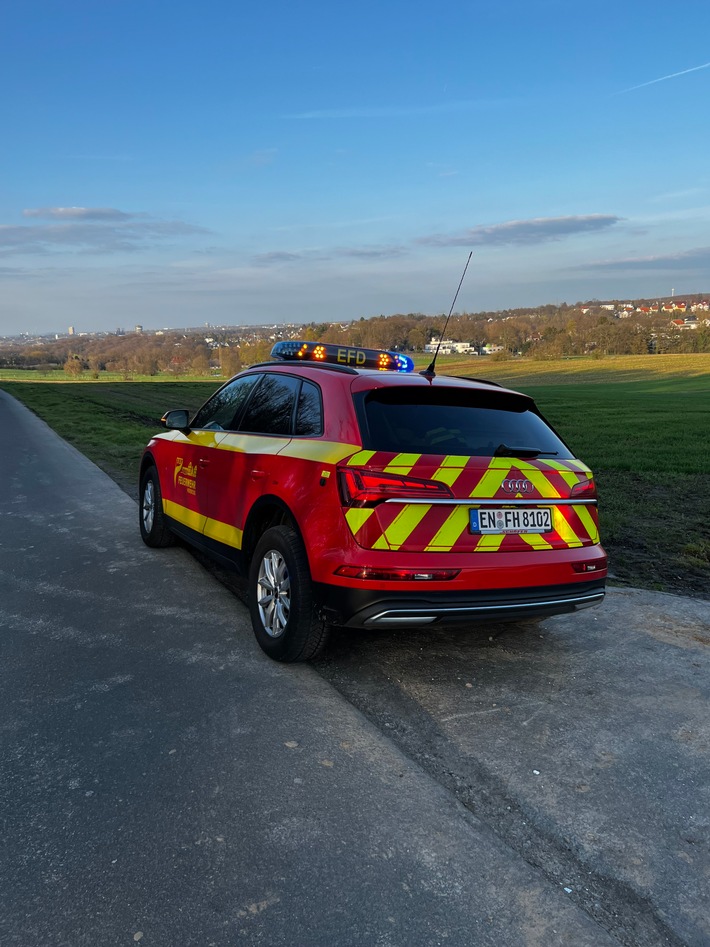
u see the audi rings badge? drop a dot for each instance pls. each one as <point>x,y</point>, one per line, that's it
<point>517,486</point>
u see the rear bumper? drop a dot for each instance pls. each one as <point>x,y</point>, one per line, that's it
<point>361,608</point>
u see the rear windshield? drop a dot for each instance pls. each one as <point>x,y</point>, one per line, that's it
<point>454,421</point>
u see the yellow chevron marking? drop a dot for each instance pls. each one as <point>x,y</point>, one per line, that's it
<point>402,463</point>
<point>357,518</point>
<point>362,457</point>
<point>536,541</point>
<point>569,477</point>
<point>450,470</point>
<point>564,530</point>
<point>588,523</point>
<point>578,465</point>
<point>403,524</point>
<point>183,515</point>
<point>500,468</point>
<point>450,530</point>
<point>489,543</point>
<point>540,482</point>
<point>490,482</point>
<point>229,535</point>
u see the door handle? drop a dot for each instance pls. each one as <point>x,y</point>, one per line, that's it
<point>258,474</point>
<point>202,462</point>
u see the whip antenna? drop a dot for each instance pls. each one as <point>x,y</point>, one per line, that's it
<point>430,372</point>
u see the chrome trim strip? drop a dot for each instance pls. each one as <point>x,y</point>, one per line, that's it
<point>407,614</point>
<point>474,501</point>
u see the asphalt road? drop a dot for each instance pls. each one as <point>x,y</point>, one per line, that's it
<point>163,783</point>
<point>584,742</point>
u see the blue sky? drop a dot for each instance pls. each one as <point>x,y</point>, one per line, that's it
<point>176,164</point>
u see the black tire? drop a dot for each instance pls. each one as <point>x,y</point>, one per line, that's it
<point>154,530</point>
<point>281,598</point>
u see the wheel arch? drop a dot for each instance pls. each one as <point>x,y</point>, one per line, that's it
<point>147,460</point>
<point>268,511</point>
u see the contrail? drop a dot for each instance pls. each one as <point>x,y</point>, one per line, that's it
<point>663,78</point>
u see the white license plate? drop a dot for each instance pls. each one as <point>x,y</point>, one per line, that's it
<point>510,521</point>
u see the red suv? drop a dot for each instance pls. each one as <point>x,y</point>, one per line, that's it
<point>352,491</point>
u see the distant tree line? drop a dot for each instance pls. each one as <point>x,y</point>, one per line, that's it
<point>546,332</point>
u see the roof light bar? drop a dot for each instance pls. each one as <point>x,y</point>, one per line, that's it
<point>355,357</point>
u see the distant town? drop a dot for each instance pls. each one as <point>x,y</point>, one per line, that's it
<point>594,328</point>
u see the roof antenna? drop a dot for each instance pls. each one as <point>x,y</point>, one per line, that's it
<point>430,372</point>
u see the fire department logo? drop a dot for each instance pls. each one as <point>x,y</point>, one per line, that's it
<point>185,475</point>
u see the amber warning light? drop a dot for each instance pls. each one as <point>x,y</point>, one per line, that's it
<point>293,351</point>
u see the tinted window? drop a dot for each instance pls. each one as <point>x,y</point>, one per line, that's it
<point>309,418</point>
<point>453,421</point>
<point>271,406</point>
<point>222,411</point>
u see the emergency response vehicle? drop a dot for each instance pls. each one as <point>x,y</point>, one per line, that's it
<point>355,492</point>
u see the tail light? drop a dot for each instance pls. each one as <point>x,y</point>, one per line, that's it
<point>360,487</point>
<point>585,490</point>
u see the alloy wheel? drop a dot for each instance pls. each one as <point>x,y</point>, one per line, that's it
<point>273,593</point>
<point>148,508</point>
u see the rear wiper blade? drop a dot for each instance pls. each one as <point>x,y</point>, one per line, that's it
<point>503,450</point>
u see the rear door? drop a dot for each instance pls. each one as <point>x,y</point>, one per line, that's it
<point>244,466</point>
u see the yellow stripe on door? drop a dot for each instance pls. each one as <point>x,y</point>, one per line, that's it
<point>184,515</point>
<point>223,533</point>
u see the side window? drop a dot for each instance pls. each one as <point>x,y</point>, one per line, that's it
<point>222,410</point>
<point>309,417</point>
<point>271,406</point>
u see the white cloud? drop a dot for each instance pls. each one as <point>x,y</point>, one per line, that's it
<point>535,230</point>
<point>513,232</point>
<point>89,230</point>
<point>322,255</point>
<point>699,257</point>
<point>78,213</point>
<point>275,258</point>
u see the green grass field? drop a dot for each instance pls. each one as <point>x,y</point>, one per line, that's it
<point>640,422</point>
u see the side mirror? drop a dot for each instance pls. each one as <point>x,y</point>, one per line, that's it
<point>178,420</point>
